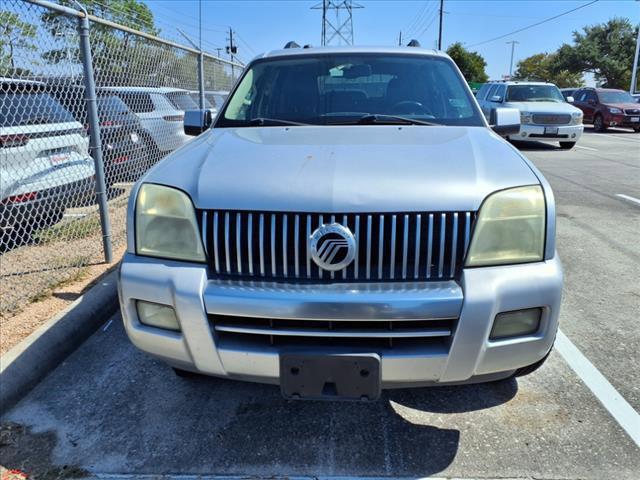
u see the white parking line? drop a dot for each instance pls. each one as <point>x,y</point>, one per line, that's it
<point>617,406</point>
<point>629,198</point>
<point>587,148</point>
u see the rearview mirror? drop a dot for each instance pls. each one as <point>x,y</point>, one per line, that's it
<point>505,121</point>
<point>197,121</point>
<point>570,99</point>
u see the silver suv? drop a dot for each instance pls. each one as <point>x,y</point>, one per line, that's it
<point>349,222</point>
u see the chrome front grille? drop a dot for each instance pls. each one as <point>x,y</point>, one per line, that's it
<point>551,119</point>
<point>334,333</point>
<point>389,246</point>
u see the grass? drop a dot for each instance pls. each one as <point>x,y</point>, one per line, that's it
<point>68,230</point>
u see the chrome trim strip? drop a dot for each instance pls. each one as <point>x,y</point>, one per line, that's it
<point>284,245</point>
<point>203,233</point>
<point>467,232</point>
<point>454,245</point>
<point>443,228</point>
<point>333,220</point>
<point>357,237</point>
<point>261,233</point>
<point>430,245</point>
<point>320,223</point>
<point>416,267</point>
<point>296,240</point>
<point>392,269</point>
<point>291,332</point>
<point>273,245</point>
<point>405,245</point>
<point>368,247</point>
<point>308,248</point>
<point>216,254</point>
<point>238,241</point>
<point>226,242</point>
<point>381,247</point>
<point>250,242</point>
<point>345,223</point>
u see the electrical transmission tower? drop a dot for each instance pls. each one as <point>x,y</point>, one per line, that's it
<point>337,21</point>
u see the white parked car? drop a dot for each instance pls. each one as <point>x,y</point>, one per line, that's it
<point>545,115</point>
<point>44,159</point>
<point>161,112</point>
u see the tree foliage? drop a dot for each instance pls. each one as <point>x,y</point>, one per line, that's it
<point>471,64</point>
<point>544,67</point>
<point>14,35</point>
<point>605,49</point>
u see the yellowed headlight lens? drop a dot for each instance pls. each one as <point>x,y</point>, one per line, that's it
<point>510,228</point>
<point>166,224</point>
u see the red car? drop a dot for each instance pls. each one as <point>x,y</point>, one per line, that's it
<point>607,107</point>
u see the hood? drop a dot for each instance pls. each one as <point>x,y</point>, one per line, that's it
<point>340,169</point>
<point>543,107</point>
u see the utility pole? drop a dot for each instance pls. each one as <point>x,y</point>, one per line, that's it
<point>513,46</point>
<point>219,49</point>
<point>634,74</point>
<point>440,29</point>
<point>400,39</point>
<point>231,50</point>
<point>340,29</point>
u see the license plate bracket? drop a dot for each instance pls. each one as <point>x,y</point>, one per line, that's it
<point>635,119</point>
<point>327,376</point>
<point>551,130</point>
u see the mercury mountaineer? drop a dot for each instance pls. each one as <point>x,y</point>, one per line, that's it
<point>349,222</point>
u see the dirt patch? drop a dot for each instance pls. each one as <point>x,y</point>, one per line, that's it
<point>24,454</point>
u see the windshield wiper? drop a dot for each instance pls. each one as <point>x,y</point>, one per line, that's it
<point>262,121</point>
<point>382,119</point>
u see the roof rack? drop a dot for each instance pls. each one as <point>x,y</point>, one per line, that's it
<point>413,43</point>
<point>292,44</point>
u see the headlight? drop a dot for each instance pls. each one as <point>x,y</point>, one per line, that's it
<point>166,224</point>
<point>576,118</point>
<point>614,110</point>
<point>525,117</point>
<point>510,228</point>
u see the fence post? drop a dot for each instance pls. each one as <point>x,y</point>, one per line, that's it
<point>94,134</point>
<point>201,78</point>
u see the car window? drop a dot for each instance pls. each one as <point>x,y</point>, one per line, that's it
<point>483,91</point>
<point>182,100</point>
<point>492,91</point>
<point>31,109</point>
<point>534,93</point>
<point>615,97</point>
<point>322,89</point>
<point>591,96</point>
<point>500,91</point>
<point>138,102</point>
<point>195,96</point>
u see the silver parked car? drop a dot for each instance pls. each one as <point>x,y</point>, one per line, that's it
<point>349,223</point>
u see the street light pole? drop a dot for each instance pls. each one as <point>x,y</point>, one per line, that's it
<point>440,29</point>
<point>513,46</point>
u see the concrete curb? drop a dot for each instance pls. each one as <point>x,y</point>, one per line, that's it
<point>22,367</point>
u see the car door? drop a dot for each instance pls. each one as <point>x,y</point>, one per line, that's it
<point>495,98</point>
<point>485,105</point>
<point>589,105</point>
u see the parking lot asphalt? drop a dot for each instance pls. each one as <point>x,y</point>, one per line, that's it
<point>110,409</point>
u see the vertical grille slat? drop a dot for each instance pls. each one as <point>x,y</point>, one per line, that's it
<point>389,246</point>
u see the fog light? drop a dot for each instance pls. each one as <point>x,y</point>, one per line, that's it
<point>573,135</point>
<point>156,315</point>
<point>516,323</point>
<point>524,134</point>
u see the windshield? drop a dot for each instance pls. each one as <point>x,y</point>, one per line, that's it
<point>182,100</point>
<point>195,96</point>
<point>31,109</point>
<point>328,89</point>
<point>534,93</point>
<point>616,97</point>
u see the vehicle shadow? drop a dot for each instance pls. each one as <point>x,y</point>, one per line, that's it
<point>535,146</point>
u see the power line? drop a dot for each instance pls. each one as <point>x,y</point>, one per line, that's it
<point>533,25</point>
<point>411,27</point>
<point>427,20</point>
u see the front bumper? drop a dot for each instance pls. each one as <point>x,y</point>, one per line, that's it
<point>468,356</point>
<point>623,121</point>
<point>535,133</point>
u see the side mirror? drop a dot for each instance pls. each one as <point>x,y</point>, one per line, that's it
<point>591,101</point>
<point>197,121</point>
<point>496,98</point>
<point>505,121</point>
<point>570,99</point>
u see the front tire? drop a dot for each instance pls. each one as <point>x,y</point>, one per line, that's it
<point>598,124</point>
<point>567,145</point>
<point>636,129</point>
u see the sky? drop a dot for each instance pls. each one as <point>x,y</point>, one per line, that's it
<point>268,24</point>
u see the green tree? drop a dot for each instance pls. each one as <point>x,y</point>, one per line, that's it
<point>544,67</point>
<point>605,49</point>
<point>14,35</point>
<point>471,64</point>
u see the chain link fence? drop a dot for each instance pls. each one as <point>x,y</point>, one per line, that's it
<point>59,130</point>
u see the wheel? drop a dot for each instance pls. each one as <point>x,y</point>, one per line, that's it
<point>567,145</point>
<point>636,129</point>
<point>521,372</point>
<point>598,124</point>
